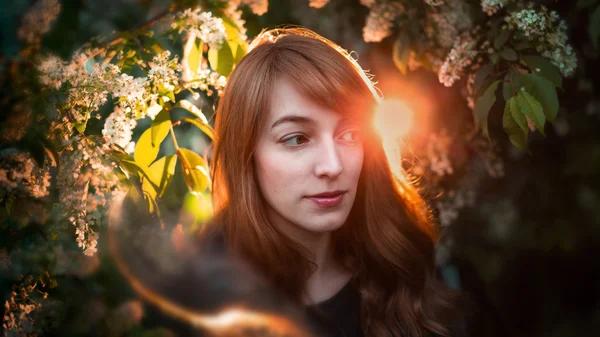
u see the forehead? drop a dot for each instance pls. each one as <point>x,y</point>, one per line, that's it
<point>287,100</point>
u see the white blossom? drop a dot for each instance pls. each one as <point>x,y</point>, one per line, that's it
<point>549,34</point>
<point>129,87</point>
<point>381,21</point>
<point>163,73</point>
<point>202,24</point>
<point>37,21</point>
<point>438,149</point>
<point>118,127</point>
<point>52,69</point>
<point>459,58</point>
<point>19,173</point>
<point>450,206</point>
<point>449,20</point>
<point>86,183</point>
<point>490,7</point>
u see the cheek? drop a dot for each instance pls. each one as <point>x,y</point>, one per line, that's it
<point>353,161</point>
<point>275,173</point>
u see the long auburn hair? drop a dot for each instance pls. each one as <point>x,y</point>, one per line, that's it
<point>388,240</point>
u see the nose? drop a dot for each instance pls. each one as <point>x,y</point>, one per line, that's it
<point>328,163</point>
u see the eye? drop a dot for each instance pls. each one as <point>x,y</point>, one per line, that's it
<point>295,140</point>
<point>350,136</point>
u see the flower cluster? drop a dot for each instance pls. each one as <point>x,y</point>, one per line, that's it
<point>449,207</point>
<point>20,174</point>
<point>448,21</point>
<point>86,183</point>
<point>438,149</point>
<point>548,32</point>
<point>204,80</point>
<point>87,91</point>
<point>19,308</point>
<point>37,21</point>
<point>459,58</point>
<point>202,25</point>
<point>381,20</point>
<point>490,7</point>
<point>118,128</point>
<point>318,3</point>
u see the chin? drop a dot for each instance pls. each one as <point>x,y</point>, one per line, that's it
<point>324,225</point>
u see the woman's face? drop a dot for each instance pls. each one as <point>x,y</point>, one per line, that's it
<point>308,161</point>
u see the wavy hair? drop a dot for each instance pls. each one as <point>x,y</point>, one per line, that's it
<point>388,240</point>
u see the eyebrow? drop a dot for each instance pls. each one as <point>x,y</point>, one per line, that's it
<point>293,119</point>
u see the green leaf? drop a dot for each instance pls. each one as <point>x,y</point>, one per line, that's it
<point>495,57</point>
<point>160,173</point>
<point>195,170</point>
<point>509,54</point>
<point>241,51</point>
<point>542,67</point>
<point>204,127</point>
<point>516,134</point>
<point>532,109</point>
<point>221,59</point>
<point>160,127</point>
<point>401,53</point>
<point>522,45</point>
<point>594,27</point>
<point>517,114</point>
<point>501,39</point>
<point>80,126</point>
<point>481,75</point>
<point>544,92</point>
<point>483,106</point>
<point>145,151</point>
<point>507,88</point>
<point>134,168</point>
<point>193,52</point>
<point>231,29</point>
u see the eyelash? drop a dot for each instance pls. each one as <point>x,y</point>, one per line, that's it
<point>295,136</point>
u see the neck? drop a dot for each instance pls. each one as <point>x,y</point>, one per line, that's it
<point>317,244</point>
<point>330,275</point>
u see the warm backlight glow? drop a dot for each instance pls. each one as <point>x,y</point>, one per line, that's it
<point>394,119</point>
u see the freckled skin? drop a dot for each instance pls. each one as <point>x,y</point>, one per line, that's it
<point>294,160</point>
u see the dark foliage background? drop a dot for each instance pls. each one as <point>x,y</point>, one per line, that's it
<point>526,255</point>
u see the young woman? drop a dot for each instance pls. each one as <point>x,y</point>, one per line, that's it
<point>304,193</point>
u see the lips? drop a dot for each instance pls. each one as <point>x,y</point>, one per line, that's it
<point>328,199</point>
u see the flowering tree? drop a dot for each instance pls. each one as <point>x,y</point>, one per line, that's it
<point>70,147</point>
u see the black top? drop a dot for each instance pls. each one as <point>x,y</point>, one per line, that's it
<point>339,315</point>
